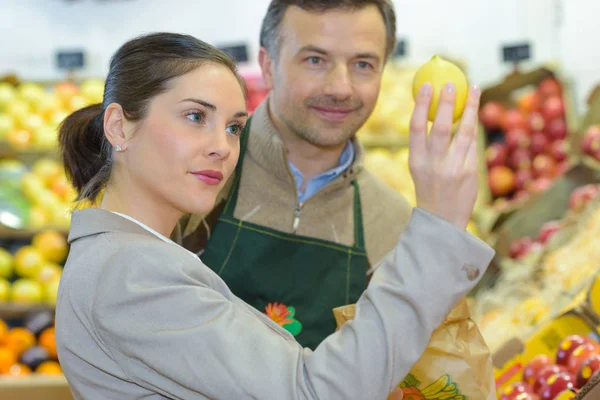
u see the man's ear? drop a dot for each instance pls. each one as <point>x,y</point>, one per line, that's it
<point>266,65</point>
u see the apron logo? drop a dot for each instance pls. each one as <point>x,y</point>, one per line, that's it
<point>284,317</point>
<point>443,388</point>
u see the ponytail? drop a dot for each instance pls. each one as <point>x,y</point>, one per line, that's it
<point>86,153</point>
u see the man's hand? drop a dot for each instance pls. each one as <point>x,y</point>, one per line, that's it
<point>445,171</point>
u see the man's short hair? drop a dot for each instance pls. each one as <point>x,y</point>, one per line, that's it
<point>270,30</point>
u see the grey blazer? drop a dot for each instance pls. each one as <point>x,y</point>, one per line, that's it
<point>139,317</point>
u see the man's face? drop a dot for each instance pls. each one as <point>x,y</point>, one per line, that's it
<point>326,78</point>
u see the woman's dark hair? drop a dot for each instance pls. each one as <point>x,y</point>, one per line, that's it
<point>139,71</point>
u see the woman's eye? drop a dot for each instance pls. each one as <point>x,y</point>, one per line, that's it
<point>314,60</point>
<point>195,117</point>
<point>234,129</point>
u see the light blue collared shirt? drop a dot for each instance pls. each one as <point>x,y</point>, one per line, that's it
<point>319,181</point>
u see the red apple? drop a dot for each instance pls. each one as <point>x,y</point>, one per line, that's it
<point>516,391</point>
<point>587,370</point>
<point>517,138</point>
<point>501,180</point>
<point>559,150</point>
<point>562,168</point>
<point>540,185</point>
<point>548,230</point>
<point>543,166</point>
<point>553,108</point>
<point>596,155</point>
<point>539,143</point>
<point>491,115</point>
<point>556,384</point>
<point>549,87</point>
<point>534,366</point>
<point>513,119</point>
<point>536,122</point>
<point>567,346</point>
<point>557,129</point>
<point>523,178</point>
<point>591,140</point>
<point>520,159</point>
<point>580,354</point>
<point>546,373</point>
<point>496,154</point>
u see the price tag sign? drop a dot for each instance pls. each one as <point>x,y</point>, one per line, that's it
<point>516,52</point>
<point>401,49</point>
<point>70,60</point>
<point>238,52</point>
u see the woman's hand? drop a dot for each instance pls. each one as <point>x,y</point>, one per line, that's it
<point>445,171</point>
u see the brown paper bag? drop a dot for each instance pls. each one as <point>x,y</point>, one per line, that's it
<point>456,365</point>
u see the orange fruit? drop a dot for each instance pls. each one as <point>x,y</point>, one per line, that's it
<point>19,340</point>
<point>7,359</point>
<point>19,370</point>
<point>48,342</point>
<point>52,245</point>
<point>3,330</point>
<point>49,368</point>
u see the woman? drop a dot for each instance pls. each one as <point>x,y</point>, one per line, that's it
<point>140,317</point>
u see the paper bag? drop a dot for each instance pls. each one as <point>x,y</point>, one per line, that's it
<point>456,365</point>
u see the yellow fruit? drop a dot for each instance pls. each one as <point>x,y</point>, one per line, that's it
<point>52,245</point>
<point>48,272</point>
<point>438,72</point>
<point>4,291</point>
<point>7,125</point>
<point>8,94</point>
<point>38,217</point>
<point>6,264</point>
<point>28,261</point>
<point>47,170</point>
<point>51,291</point>
<point>27,291</point>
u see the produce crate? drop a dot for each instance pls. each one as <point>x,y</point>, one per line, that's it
<point>591,118</point>
<point>35,388</point>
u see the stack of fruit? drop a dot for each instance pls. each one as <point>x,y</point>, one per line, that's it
<point>527,294</point>
<point>30,113</point>
<point>31,275</point>
<point>41,196</point>
<point>528,144</point>
<point>392,113</point>
<point>576,362</point>
<point>30,348</point>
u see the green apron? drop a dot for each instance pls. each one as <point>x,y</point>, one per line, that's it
<point>296,280</point>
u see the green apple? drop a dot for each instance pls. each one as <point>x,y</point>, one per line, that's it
<point>4,291</point>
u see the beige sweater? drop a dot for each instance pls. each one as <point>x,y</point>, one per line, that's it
<point>268,197</point>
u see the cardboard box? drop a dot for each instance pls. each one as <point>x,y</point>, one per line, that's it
<point>592,117</point>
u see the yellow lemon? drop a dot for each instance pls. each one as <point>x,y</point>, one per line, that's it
<point>438,72</point>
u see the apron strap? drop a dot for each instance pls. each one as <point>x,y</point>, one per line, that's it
<point>359,235</point>
<point>230,205</point>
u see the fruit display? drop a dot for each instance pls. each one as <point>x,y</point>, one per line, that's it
<point>392,113</point>
<point>576,362</point>
<point>31,112</point>
<point>527,293</point>
<point>36,197</point>
<point>528,144</point>
<point>29,348</point>
<point>30,273</point>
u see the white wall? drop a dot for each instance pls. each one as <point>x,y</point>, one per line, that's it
<point>473,30</point>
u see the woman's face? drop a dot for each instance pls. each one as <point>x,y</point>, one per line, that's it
<point>187,146</point>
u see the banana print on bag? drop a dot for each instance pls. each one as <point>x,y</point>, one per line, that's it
<point>442,389</point>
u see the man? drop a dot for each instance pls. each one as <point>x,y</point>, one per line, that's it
<point>303,223</point>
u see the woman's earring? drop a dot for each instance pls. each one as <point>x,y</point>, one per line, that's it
<point>118,148</point>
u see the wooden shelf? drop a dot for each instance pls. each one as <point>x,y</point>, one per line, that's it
<point>13,311</point>
<point>26,156</point>
<point>9,233</point>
